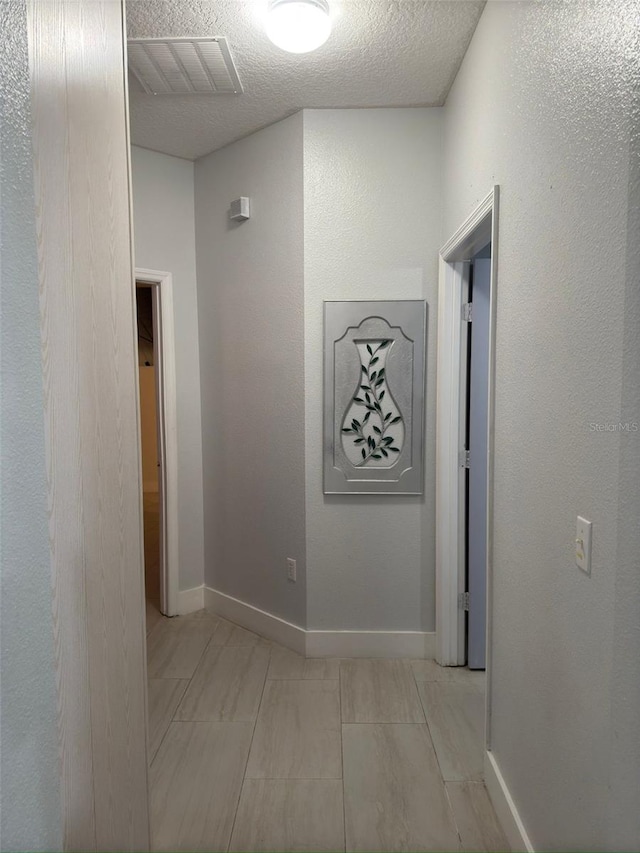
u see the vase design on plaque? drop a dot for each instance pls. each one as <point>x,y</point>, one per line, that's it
<point>373,430</point>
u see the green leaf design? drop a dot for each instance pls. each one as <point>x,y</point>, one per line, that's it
<point>365,388</point>
<point>379,382</point>
<point>388,439</point>
<point>358,399</point>
<point>367,398</point>
<point>366,417</point>
<point>370,441</point>
<point>384,452</point>
<point>369,349</point>
<point>355,423</point>
<point>344,429</point>
<point>382,371</point>
<point>382,393</point>
<point>395,449</point>
<point>365,370</point>
<point>358,441</point>
<point>377,405</point>
<point>376,456</point>
<point>374,361</point>
<point>397,419</point>
<point>387,416</point>
<point>377,430</point>
<point>373,376</point>
<point>364,453</point>
<point>384,344</point>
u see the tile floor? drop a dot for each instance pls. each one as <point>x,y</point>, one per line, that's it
<point>254,748</point>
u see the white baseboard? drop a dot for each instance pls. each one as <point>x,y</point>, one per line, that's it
<point>319,644</point>
<point>190,600</point>
<point>256,620</point>
<point>370,644</point>
<point>505,807</point>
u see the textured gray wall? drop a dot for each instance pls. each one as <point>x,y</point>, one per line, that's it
<point>250,311</point>
<point>372,230</point>
<point>542,106</point>
<point>30,797</point>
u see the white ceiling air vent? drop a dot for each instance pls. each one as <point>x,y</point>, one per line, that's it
<point>179,66</point>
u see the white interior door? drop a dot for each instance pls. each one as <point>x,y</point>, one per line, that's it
<point>478,444</point>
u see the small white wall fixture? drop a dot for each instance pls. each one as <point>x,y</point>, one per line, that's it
<point>475,232</point>
<point>162,282</point>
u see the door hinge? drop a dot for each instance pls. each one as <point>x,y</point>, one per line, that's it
<point>463,458</point>
<point>467,312</point>
<point>463,601</point>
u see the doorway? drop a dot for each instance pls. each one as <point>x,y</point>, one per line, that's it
<point>158,439</point>
<point>150,417</point>
<point>464,519</point>
<point>477,318</point>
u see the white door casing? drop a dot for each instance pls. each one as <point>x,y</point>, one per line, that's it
<point>480,228</point>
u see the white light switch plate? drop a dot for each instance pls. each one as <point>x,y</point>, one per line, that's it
<point>583,545</point>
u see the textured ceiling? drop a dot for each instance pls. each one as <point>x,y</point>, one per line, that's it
<point>381,53</point>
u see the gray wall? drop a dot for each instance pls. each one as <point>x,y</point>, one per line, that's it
<point>372,220</point>
<point>369,228</point>
<point>164,231</point>
<point>29,782</point>
<point>250,308</point>
<point>542,107</point>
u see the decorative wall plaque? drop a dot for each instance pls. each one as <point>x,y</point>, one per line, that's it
<point>374,362</point>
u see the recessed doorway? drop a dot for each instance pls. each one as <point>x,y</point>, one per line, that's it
<point>158,439</point>
<point>151,462</point>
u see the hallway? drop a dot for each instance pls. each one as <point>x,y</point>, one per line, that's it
<point>252,747</point>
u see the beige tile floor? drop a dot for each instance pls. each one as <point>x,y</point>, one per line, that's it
<point>254,748</point>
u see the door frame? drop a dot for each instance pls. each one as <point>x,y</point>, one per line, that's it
<point>167,410</point>
<point>475,232</point>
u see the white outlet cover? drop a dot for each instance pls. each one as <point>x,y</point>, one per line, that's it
<point>583,545</point>
<point>291,569</point>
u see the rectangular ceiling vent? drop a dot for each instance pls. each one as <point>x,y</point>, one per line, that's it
<point>179,66</point>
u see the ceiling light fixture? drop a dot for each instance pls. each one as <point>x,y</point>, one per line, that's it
<point>298,26</point>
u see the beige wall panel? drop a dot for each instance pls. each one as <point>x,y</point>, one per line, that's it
<point>149,428</point>
<point>90,364</point>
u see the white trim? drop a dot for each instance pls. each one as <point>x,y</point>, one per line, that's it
<point>370,644</point>
<point>169,451</point>
<point>254,619</point>
<point>505,807</point>
<point>480,227</point>
<point>493,296</point>
<point>474,233</point>
<point>190,600</point>
<point>353,644</point>
<point>449,475</point>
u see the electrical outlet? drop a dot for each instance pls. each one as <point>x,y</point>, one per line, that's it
<point>291,569</point>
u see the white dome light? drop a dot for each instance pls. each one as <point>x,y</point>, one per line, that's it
<point>298,26</point>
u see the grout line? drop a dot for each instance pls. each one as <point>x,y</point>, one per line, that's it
<point>305,680</point>
<point>344,807</point>
<point>293,779</point>
<point>246,763</point>
<point>453,814</point>
<point>175,710</point>
<point>437,757</point>
<point>381,723</point>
